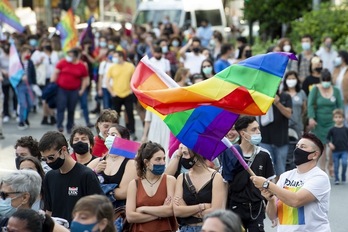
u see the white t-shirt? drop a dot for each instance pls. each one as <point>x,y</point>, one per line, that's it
<point>162,64</point>
<point>310,217</point>
<point>193,62</point>
<point>103,70</point>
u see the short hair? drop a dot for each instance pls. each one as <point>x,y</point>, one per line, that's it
<point>25,48</point>
<point>338,112</point>
<point>158,49</point>
<point>225,48</point>
<point>196,39</point>
<point>325,75</point>
<point>312,137</point>
<point>52,140</point>
<point>229,219</point>
<point>24,181</point>
<point>120,54</point>
<point>243,122</point>
<point>106,115</point>
<point>30,143</point>
<point>242,39</point>
<point>75,51</point>
<point>146,151</point>
<point>82,130</point>
<point>99,206</point>
<point>34,221</point>
<point>124,132</point>
<point>307,36</point>
<point>344,55</point>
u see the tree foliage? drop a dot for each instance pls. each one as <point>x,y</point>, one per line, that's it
<point>271,14</point>
<point>329,20</point>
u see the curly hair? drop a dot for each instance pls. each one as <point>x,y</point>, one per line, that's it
<point>146,152</point>
<point>106,115</point>
<point>82,130</point>
<point>30,143</point>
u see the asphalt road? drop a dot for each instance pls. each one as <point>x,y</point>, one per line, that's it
<point>338,202</point>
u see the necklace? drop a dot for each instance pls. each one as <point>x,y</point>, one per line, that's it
<point>152,184</point>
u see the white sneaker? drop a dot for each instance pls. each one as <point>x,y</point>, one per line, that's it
<point>6,119</point>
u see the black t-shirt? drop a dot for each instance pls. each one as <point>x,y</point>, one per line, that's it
<point>339,137</point>
<point>276,132</point>
<point>308,82</point>
<point>62,191</point>
<point>241,188</point>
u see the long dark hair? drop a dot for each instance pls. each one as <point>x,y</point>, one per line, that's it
<point>298,85</point>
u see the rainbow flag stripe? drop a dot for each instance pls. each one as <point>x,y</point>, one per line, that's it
<point>68,33</point>
<point>288,215</point>
<point>245,88</point>
<point>8,16</point>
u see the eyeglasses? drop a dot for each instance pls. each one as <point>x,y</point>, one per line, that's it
<point>5,195</point>
<point>50,157</point>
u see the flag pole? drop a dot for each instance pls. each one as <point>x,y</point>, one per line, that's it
<point>238,156</point>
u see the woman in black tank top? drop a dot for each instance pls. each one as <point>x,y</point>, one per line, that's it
<point>111,169</point>
<point>198,192</point>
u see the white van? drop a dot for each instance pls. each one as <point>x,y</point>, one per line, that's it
<point>182,12</point>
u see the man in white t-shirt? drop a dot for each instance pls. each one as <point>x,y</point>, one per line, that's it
<point>159,61</point>
<point>300,199</point>
<point>192,60</point>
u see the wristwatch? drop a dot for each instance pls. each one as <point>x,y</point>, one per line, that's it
<point>265,184</point>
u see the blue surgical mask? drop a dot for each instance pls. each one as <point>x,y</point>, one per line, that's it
<point>175,43</point>
<point>33,42</point>
<point>102,44</point>
<point>207,70</point>
<point>6,209</point>
<point>79,227</point>
<point>306,46</point>
<point>111,46</point>
<point>164,49</point>
<point>110,57</point>
<point>255,139</point>
<point>326,84</point>
<point>235,140</point>
<point>109,141</point>
<point>158,169</point>
<point>115,60</point>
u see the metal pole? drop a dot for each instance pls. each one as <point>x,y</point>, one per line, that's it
<point>102,10</point>
<point>48,10</point>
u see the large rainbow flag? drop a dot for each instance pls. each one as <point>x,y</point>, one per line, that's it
<point>68,33</point>
<point>8,16</point>
<point>200,115</point>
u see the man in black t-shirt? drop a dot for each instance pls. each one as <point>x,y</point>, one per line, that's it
<point>243,197</point>
<point>68,181</point>
<point>275,136</point>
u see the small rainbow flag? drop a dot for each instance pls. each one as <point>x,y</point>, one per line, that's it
<point>124,147</point>
<point>200,115</point>
<point>8,16</point>
<point>68,33</point>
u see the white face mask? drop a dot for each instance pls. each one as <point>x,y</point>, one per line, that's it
<point>69,59</point>
<point>109,141</point>
<point>337,61</point>
<point>291,83</point>
<point>287,48</point>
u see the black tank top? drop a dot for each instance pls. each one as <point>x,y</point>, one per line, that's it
<point>204,195</point>
<point>115,179</point>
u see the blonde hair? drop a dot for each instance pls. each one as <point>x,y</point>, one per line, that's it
<point>180,73</point>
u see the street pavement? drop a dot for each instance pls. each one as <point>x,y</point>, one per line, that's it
<point>338,201</point>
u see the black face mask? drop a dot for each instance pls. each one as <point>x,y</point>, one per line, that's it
<point>196,50</point>
<point>188,163</point>
<point>80,147</point>
<point>301,156</point>
<point>48,48</point>
<point>319,69</point>
<point>18,161</point>
<point>158,57</point>
<point>58,163</point>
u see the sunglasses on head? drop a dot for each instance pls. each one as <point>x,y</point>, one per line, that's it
<point>4,195</point>
<point>50,157</point>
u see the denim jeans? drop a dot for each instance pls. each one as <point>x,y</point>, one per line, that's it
<point>25,98</point>
<point>106,98</point>
<point>84,106</point>
<point>66,99</point>
<point>337,156</point>
<point>190,228</point>
<point>279,155</point>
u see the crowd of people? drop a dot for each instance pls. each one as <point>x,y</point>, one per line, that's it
<point>76,183</point>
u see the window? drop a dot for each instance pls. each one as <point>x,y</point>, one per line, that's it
<point>157,16</point>
<point>213,17</point>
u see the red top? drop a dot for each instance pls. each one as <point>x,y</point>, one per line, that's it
<point>71,74</point>
<point>99,148</point>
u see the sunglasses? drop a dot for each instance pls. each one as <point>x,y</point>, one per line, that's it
<point>50,157</point>
<point>4,195</point>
